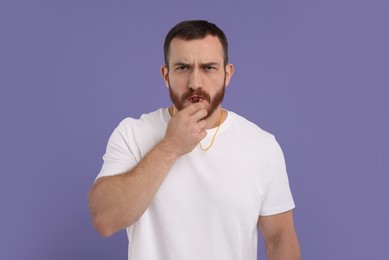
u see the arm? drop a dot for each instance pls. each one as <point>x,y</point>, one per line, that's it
<point>116,202</point>
<point>280,237</point>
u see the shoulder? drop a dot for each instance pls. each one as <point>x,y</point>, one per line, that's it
<point>253,137</point>
<point>154,118</point>
<point>148,125</point>
<point>250,129</point>
<point>140,134</point>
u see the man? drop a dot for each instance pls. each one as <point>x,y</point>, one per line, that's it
<point>195,181</point>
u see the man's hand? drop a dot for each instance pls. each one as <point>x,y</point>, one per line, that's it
<point>186,129</point>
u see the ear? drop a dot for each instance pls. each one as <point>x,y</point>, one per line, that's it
<point>229,72</point>
<point>165,75</point>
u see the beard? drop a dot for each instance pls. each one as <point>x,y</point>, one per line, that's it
<point>214,102</point>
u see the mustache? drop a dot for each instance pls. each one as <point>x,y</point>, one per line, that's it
<point>198,92</point>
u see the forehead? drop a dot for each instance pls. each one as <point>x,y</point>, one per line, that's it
<point>208,49</point>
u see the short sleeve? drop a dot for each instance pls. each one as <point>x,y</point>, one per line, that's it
<point>118,157</point>
<point>277,197</point>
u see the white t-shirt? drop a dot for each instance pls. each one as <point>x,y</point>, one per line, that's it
<point>208,205</point>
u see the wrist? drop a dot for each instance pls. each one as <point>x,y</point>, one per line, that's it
<point>168,149</point>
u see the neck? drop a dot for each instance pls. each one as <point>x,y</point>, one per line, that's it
<point>215,119</point>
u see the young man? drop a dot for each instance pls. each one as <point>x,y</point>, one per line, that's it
<point>195,181</point>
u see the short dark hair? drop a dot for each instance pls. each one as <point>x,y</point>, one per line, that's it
<point>195,29</point>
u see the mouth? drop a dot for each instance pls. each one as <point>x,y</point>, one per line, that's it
<point>196,99</point>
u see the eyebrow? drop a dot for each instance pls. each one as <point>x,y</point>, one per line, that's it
<point>213,64</point>
<point>179,64</point>
<point>207,64</point>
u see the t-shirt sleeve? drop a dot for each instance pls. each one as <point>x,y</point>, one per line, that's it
<point>118,157</point>
<point>277,197</point>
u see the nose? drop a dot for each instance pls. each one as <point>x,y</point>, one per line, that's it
<point>195,79</point>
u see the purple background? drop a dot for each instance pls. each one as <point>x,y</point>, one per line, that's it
<point>310,72</point>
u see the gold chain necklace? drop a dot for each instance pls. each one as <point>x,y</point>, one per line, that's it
<point>171,112</point>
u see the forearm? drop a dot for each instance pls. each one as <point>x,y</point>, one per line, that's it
<point>118,201</point>
<point>283,248</point>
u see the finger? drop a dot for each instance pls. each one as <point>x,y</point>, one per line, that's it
<point>202,134</point>
<point>193,108</point>
<point>201,125</point>
<point>200,114</point>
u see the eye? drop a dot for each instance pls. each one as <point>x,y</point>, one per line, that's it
<point>182,68</point>
<point>210,68</point>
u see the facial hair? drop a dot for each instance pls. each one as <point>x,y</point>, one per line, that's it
<point>214,102</point>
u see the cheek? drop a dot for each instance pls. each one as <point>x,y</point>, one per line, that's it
<point>178,82</point>
<point>217,83</point>
<point>218,77</point>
